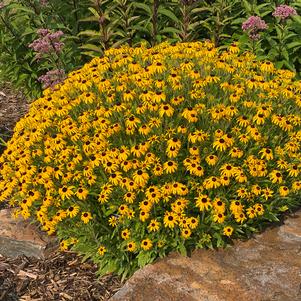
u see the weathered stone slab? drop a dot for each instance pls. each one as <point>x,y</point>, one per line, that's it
<point>19,237</point>
<point>265,268</point>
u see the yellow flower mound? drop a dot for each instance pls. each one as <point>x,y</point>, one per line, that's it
<point>145,151</point>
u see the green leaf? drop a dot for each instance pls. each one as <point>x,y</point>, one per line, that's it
<point>169,14</point>
<point>293,44</point>
<point>94,12</point>
<point>285,54</point>
<point>89,19</point>
<point>144,7</point>
<point>297,19</point>
<point>200,10</point>
<point>91,47</point>
<point>143,258</point>
<point>182,250</point>
<point>90,33</point>
<point>271,217</point>
<point>170,30</point>
<point>247,6</point>
<point>21,8</point>
<point>289,66</point>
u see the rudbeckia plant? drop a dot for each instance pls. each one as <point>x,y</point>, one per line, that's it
<point>150,150</point>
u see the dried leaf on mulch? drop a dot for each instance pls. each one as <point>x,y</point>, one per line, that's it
<point>61,276</point>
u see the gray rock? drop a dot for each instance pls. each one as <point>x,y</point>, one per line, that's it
<point>19,237</point>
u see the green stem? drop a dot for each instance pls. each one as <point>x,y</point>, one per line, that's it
<point>155,21</point>
<point>76,16</point>
<point>2,142</point>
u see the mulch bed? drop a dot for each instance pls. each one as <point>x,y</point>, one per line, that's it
<point>13,105</point>
<point>60,276</point>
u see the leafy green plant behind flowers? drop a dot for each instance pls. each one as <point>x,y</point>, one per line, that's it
<point>280,41</point>
<point>150,150</point>
<point>91,27</point>
<point>20,22</point>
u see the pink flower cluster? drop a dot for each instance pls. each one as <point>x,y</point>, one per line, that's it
<point>48,42</point>
<point>254,25</point>
<point>51,78</point>
<point>284,12</point>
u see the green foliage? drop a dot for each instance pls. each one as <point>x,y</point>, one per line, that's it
<point>92,26</point>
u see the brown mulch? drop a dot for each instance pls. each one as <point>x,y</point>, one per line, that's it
<point>13,105</point>
<point>59,277</point>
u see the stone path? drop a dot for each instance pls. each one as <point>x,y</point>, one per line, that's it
<point>265,268</point>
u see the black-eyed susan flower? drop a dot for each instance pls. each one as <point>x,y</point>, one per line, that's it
<point>227,170</point>
<point>192,222</point>
<point>129,197</point>
<point>259,209</point>
<point>293,170</point>
<point>72,211</point>
<point>276,176</point>
<point>170,166</point>
<point>131,246</point>
<point>60,215</point>
<point>123,209</point>
<point>228,231</point>
<point>125,234</point>
<point>256,190</point>
<point>66,192</point>
<point>146,244</point>
<point>251,212</point>
<point>236,207</point>
<point>186,233</point>
<point>153,226</point>
<point>170,220</point>
<point>220,144</point>
<point>211,160</point>
<point>240,217</point>
<point>266,153</point>
<point>143,215</point>
<point>86,217</point>
<point>211,182</point>
<point>219,205</point>
<point>283,190</point>
<point>140,177</point>
<point>101,250</point>
<point>296,186</point>
<point>113,221</point>
<point>64,245</point>
<point>166,109</point>
<point>82,193</point>
<point>267,193</point>
<point>203,202</point>
<point>219,218</point>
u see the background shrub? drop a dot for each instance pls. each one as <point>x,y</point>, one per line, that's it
<point>146,151</point>
<point>92,26</point>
